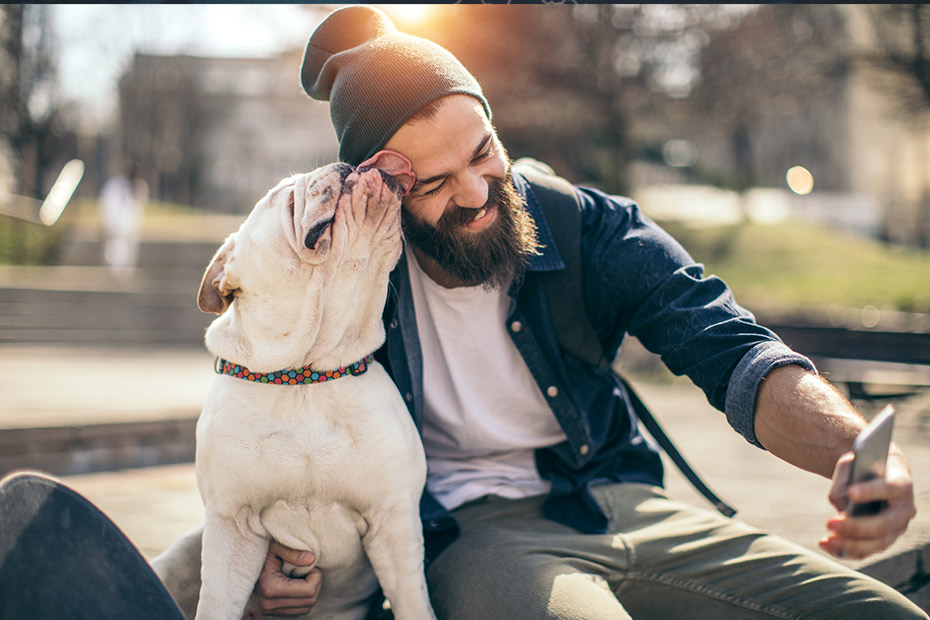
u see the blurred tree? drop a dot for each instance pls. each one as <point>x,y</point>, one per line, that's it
<point>36,136</point>
<point>901,63</point>
<point>770,68</point>
<point>46,132</point>
<point>902,56</point>
<point>162,123</point>
<point>11,42</point>
<point>565,81</point>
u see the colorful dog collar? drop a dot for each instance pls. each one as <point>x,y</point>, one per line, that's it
<point>296,376</point>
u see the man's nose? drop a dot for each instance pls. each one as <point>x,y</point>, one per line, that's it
<point>472,192</point>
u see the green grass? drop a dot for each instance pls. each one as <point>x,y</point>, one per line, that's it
<point>797,265</point>
<point>28,243</point>
<point>773,267</point>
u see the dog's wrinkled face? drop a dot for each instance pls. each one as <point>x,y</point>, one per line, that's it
<point>306,273</point>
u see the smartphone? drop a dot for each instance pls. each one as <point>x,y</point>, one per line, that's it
<point>871,450</point>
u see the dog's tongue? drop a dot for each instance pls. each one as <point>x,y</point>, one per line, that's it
<point>395,165</point>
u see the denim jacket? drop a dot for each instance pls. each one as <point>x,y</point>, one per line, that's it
<point>637,281</point>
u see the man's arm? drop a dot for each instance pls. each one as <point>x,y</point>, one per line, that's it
<point>803,420</point>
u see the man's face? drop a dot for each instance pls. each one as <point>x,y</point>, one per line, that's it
<point>463,218</point>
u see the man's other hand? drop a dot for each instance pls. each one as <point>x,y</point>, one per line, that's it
<point>280,595</point>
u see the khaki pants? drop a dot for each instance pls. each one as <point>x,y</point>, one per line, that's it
<point>661,560</point>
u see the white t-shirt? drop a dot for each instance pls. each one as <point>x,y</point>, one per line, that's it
<point>484,413</point>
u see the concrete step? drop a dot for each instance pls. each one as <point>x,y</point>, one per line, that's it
<point>83,449</point>
<point>71,410</point>
<point>182,255</point>
<point>85,304</point>
<point>29,315</point>
<point>81,302</point>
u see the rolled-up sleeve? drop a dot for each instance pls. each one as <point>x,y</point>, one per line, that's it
<point>745,381</point>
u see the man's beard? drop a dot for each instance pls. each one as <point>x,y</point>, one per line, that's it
<point>492,257</point>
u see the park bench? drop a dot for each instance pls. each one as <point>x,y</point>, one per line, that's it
<point>870,363</point>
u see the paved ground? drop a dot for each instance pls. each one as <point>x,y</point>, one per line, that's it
<point>49,386</point>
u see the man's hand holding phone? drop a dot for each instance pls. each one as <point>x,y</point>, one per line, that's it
<point>873,490</point>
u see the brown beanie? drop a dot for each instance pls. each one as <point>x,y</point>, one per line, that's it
<point>376,77</point>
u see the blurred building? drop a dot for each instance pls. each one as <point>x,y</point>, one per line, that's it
<point>217,133</point>
<point>811,86</point>
<point>889,135</point>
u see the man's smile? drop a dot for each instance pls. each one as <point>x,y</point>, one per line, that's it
<point>484,217</point>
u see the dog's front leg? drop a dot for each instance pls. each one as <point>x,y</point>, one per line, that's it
<point>232,561</point>
<point>394,546</point>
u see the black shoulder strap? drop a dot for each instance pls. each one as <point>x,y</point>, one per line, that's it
<point>657,433</point>
<point>562,209</point>
<point>559,203</point>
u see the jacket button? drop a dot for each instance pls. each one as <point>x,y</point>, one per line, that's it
<point>584,449</point>
<point>409,397</point>
<point>394,324</point>
<point>552,391</point>
<point>516,326</point>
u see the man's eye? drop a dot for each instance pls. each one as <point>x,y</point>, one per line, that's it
<point>433,191</point>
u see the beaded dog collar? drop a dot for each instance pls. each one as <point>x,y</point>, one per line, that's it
<point>296,376</point>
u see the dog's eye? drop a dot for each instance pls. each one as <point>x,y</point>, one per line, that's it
<point>316,231</point>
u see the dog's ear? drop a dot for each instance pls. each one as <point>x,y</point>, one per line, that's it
<point>216,292</point>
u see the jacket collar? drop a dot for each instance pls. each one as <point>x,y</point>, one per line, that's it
<point>549,258</point>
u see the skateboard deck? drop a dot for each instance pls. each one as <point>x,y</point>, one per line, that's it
<point>62,558</point>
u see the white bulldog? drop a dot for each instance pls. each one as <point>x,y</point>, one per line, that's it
<point>335,466</point>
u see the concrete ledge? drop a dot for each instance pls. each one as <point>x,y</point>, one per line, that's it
<point>70,450</point>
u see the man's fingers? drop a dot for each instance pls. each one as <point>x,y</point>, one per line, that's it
<point>285,596</point>
<point>279,594</point>
<point>839,487</point>
<point>871,491</point>
<point>866,528</point>
<point>854,549</point>
<point>280,586</point>
<point>858,537</point>
<point>258,607</point>
<point>896,485</point>
<point>293,556</point>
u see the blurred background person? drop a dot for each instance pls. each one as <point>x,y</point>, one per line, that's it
<point>122,209</point>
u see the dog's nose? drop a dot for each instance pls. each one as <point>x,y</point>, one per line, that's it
<point>316,231</point>
<point>344,171</point>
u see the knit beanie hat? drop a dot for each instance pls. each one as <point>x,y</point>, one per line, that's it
<point>376,77</point>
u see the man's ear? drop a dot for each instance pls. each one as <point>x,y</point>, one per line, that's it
<point>216,292</point>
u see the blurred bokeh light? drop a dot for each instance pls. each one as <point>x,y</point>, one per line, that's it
<point>800,180</point>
